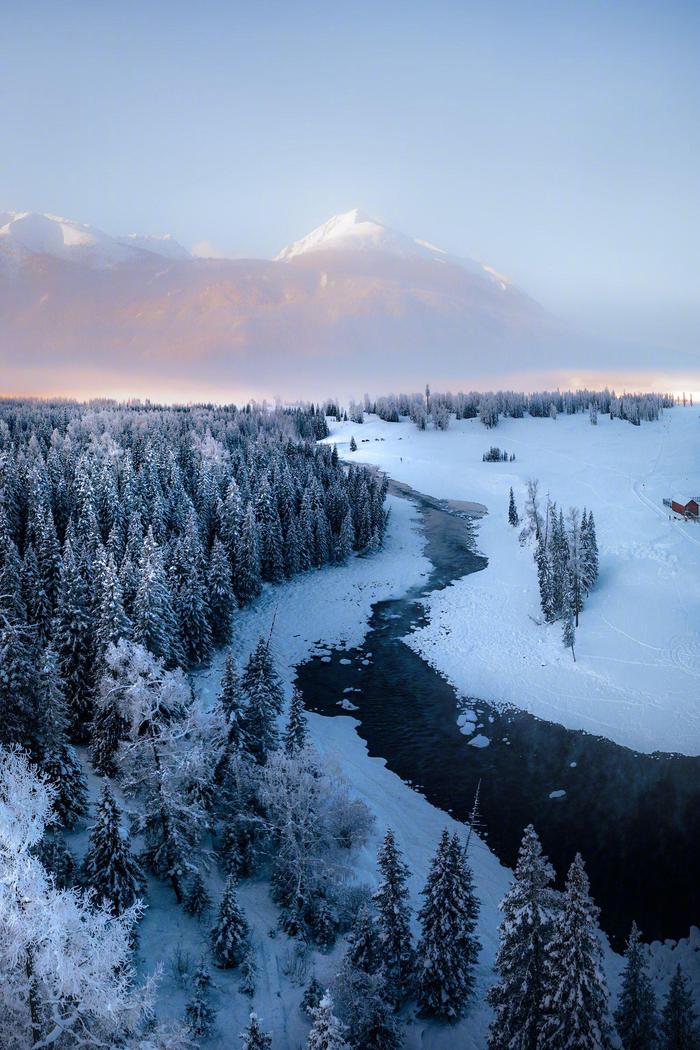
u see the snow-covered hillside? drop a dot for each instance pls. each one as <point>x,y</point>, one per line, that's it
<point>24,234</point>
<point>356,231</point>
<point>637,674</point>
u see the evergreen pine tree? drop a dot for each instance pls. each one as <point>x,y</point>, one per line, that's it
<point>361,990</point>
<point>353,444</point>
<point>517,998</point>
<point>231,701</point>
<point>394,919</point>
<point>313,993</point>
<point>635,1018</point>
<point>222,601</point>
<point>544,579</point>
<point>191,599</point>
<point>448,947</point>
<point>254,1038</point>
<point>679,1029</point>
<point>197,900</point>
<point>327,1032</point>
<point>108,867</point>
<point>576,996</point>
<point>199,1013</point>
<point>229,937</point>
<point>513,518</point>
<point>112,621</point>
<point>264,700</point>
<point>568,632</point>
<point>247,582</point>
<point>295,732</point>
<point>57,759</point>
<point>155,623</point>
<point>74,641</point>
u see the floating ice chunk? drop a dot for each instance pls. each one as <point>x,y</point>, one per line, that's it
<point>479,740</point>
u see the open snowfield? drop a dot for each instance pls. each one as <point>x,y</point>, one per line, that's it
<point>637,675</point>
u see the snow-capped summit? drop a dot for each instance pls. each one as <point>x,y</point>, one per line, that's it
<point>356,231</point>
<point>166,245</point>
<point>25,233</point>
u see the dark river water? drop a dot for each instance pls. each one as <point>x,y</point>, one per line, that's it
<point>635,818</point>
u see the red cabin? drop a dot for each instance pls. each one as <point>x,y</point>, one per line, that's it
<point>689,509</point>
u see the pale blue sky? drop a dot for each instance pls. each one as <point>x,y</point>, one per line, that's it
<point>558,141</point>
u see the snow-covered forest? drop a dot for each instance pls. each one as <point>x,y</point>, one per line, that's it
<point>132,541</point>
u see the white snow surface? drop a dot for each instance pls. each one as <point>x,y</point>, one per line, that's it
<point>636,679</point>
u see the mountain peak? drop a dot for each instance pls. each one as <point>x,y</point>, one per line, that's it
<point>355,231</point>
<point>26,233</point>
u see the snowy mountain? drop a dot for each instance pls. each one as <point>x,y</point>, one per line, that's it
<point>24,234</point>
<point>352,306</point>
<point>356,231</point>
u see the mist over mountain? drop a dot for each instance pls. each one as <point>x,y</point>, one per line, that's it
<point>351,306</point>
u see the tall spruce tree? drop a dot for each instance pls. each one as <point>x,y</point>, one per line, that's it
<point>230,934</point>
<point>394,919</point>
<point>57,759</point>
<point>679,1030</point>
<point>74,638</point>
<point>264,701</point>
<point>636,1018</point>
<point>513,517</point>
<point>526,927</point>
<point>253,1037</point>
<point>327,1032</point>
<point>295,735</point>
<point>448,947</point>
<point>108,867</point>
<point>576,995</point>
<point>222,601</point>
<point>199,1012</point>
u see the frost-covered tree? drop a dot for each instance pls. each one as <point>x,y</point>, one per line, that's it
<point>327,1032</point>
<point>636,1018</point>
<point>360,990</point>
<point>197,900</point>
<point>73,638</point>
<point>679,1029</point>
<point>155,622</point>
<point>513,517</point>
<point>167,761</point>
<point>230,934</point>
<point>576,995</point>
<point>108,867</point>
<point>222,601</point>
<point>264,701</point>
<point>112,621</point>
<point>56,757</point>
<point>311,823</point>
<point>66,975</point>
<point>526,927</point>
<point>199,1012</point>
<point>247,580</point>
<point>313,993</point>
<point>353,444</point>
<point>295,732</point>
<point>448,947</point>
<point>568,631</point>
<point>230,700</point>
<point>394,919</point>
<point>254,1037</point>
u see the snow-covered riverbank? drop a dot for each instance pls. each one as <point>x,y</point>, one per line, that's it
<point>637,674</point>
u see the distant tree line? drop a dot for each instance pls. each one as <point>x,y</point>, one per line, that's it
<point>435,409</point>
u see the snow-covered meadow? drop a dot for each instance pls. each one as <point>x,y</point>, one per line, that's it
<point>637,675</point>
